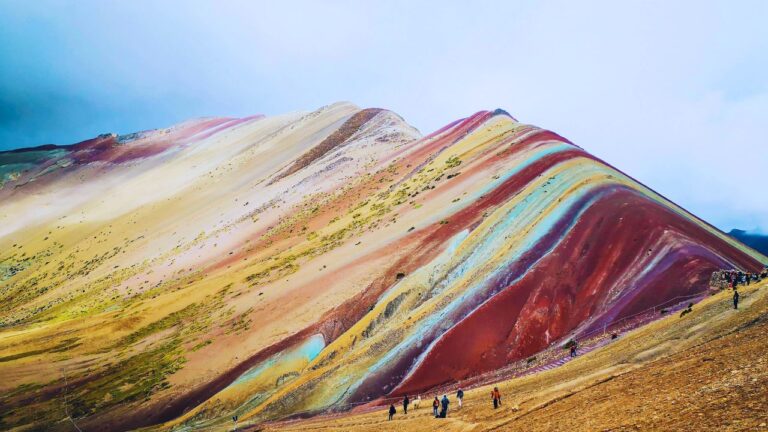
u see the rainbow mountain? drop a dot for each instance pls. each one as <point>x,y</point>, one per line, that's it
<point>266,267</point>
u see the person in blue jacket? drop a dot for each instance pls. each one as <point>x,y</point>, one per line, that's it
<point>444,402</point>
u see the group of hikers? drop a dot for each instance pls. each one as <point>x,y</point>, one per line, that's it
<point>440,406</point>
<point>734,278</point>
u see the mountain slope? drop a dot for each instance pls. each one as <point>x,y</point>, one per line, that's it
<point>268,266</point>
<point>704,371</point>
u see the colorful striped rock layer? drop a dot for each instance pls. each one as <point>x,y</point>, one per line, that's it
<point>269,266</point>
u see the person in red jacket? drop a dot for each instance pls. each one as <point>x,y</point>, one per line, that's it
<point>435,406</point>
<point>496,396</point>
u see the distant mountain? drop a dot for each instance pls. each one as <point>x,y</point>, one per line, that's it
<point>757,242</point>
<point>275,266</point>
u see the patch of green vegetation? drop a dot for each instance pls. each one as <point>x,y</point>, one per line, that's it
<point>453,162</point>
<point>63,346</point>
<point>188,322</point>
<point>25,388</point>
<point>166,286</point>
<point>359,205</point>
<point>175,319</point>
<point>400,196</point>
<point>133,379</point>
<point>241,323</point>
<point>128,380</point>
<point>284,266</point>
<point>201,345</point>
<point>34,417</point>
<point>51,273</point>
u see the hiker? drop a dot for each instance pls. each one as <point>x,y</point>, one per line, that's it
<point>460,396</point>
<point>444,402</point>
<point>406,401</point>
<point>735,299</point>
<point>435,405</point>
<point>573,349</point>
<point>496,396</point>
<point>392,411</point>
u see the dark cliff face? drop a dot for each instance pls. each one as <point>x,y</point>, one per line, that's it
<point>755,241</point>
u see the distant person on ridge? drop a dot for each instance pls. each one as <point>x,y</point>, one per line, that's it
<point>406,401</point>
<point>460,396</point>
<point>496,396</point>
<point>735,299</point>
<point>435,405</point>
<point>392,411</point>
<point>444,411</point>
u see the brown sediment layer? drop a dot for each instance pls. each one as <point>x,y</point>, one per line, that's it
<point>338,137</point>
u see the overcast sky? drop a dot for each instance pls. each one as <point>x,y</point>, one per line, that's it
<point>675,93</point>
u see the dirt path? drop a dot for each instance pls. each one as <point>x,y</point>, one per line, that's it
<point>705,371</point>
